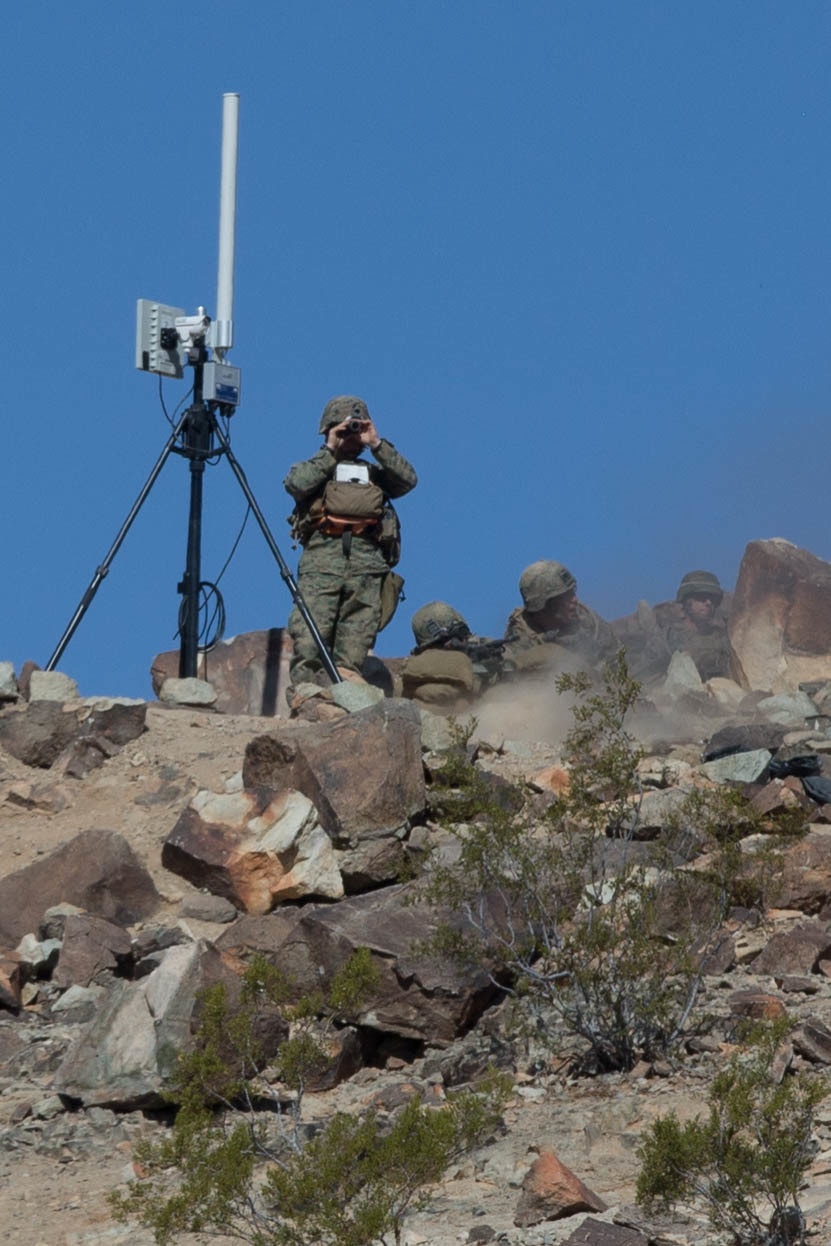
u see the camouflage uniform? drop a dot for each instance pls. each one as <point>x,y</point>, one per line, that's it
<point>340,577</point>
<point>706,644</point>
<point>705,641</point>
<point>449,666</point>
<point>591,640</point>
<point>552,628</point>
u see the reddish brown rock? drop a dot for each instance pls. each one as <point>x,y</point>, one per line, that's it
<point>83,734</point>
<point>780,794</point>
<point>11,980</point>
<point>37,733</point>
<point>759,1005</point>
<point>551,1191</point>
<point>554,779</point>
<point>780,619</point>
<point>96,871</point>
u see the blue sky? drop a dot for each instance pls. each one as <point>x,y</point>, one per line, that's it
<point>575,255</point>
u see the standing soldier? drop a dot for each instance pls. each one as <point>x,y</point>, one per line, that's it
<point>350,537</point>
<point>551,624</point>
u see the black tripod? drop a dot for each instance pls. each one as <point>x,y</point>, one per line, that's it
<point>197,437</point>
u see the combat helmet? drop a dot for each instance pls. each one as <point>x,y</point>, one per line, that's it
<point>437,617</point>
<point>542,581</point>
<point>695,582</point>
<point>345,407</point>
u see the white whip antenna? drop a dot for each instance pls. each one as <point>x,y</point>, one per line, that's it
<point>222,336</point>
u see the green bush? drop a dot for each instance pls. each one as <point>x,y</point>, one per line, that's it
<point>238,1160</point>
<point>580,917</point>
<point>745,1161</point>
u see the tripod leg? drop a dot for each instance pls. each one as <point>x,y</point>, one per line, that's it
<point>285,570</point>
<point>101,571</point>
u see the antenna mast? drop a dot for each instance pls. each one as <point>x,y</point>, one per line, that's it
<point>223,329</point>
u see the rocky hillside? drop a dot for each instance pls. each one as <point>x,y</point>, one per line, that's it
<point>148,850</point>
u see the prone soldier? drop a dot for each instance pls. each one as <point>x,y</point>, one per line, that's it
<point>449,665</point>
<point>696,623</point>
<point>552,629</point>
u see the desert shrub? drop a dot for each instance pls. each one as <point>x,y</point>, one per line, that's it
<point>745,847</point>
<point>746,1159</point>
<point>586,921</point>
<point>355,1181</point>
<point>239,1161</point>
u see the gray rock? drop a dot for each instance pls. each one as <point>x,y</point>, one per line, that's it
<point>789,709</point>
<point>193,692</point>
<point>9,690</point>
<point>52,686</point>
<point>682,676</point>
<point>40,955</point>
<point>208,908</point>
<point>354,697</point>
<point>655,811</point>
<point>78,1003</point>
<point>53,922</point>
<point>47,1109</point>
<point>738,767</point>
<point>435,733</point>
<point>125,1055</point>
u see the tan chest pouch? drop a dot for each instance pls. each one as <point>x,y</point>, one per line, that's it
<point>350,504</point>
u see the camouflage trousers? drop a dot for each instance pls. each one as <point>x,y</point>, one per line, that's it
<point>343,594</point>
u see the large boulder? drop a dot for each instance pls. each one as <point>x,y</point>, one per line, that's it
<point>257,849</point>
<point>126,1055</point>
<point>780,620</point>
<point>97,871</point>
<point>363,774</point>
<point>83,733</point>
<point>91,948</point>
<point>418,996</point>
